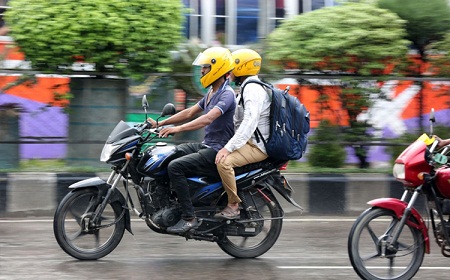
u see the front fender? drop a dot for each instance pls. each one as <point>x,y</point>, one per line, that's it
<point>398,207</point>
<point>102,187</point>
<point>91,182</point>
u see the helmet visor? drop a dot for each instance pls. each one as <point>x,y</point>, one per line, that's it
<point>202,60</point>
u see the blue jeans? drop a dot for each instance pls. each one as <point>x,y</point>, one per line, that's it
<point>195,159</point>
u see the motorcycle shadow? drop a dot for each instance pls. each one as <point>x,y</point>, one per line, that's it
<point>171,267</point>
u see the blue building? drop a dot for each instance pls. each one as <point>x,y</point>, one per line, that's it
<point>239,22</point>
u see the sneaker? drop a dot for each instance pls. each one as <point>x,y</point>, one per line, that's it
<point>182,226</point>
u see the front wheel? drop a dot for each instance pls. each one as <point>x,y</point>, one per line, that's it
<point>260,228</point>
<point>371,252</point>
<point>78,235</point>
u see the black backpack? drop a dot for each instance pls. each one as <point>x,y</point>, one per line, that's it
<point>289,124</point>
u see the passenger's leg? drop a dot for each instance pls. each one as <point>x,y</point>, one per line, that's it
<point>247,154</point>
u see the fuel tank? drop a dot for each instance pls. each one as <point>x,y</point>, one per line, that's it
<point>443,181</point>
<point>155,159</point>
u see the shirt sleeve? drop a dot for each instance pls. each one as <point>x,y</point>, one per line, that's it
<point>201,103</point>
<point>254,96</point>
<point>226,101</point>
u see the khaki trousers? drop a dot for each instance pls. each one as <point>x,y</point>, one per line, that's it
<point>249,153</point>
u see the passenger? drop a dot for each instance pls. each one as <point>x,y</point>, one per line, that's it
<point>243,148</point>
<point>218,105</point>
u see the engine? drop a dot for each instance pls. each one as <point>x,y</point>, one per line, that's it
<point>167,217</point>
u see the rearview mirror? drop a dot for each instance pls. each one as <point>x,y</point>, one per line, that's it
<point>432,120</point>
<point>168,110</point>
<point>432,116</point>
<point>144,102</point>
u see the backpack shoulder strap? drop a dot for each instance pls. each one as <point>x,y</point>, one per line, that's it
<point>265,85</point>
<point>257,133</point>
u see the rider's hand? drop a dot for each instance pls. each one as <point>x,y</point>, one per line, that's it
<point>152,122</point>
<point>166,131</point>
<point>222,155</point>
<point>442,142</point>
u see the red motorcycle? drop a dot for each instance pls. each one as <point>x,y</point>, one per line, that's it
<point>389,240</point>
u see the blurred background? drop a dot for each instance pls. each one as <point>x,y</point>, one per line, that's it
<point>369,72</point>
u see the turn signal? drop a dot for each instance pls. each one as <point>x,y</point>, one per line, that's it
<point>421,175</point>
<point>128,156</point>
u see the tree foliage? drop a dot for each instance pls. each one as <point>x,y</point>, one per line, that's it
<point>328,152</point>
<point>441,56</point>
<point>127,37</point>
<point>354,37</point>
<point>426,21</point>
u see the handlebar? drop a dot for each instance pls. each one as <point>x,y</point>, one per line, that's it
<point>438,157</point>
<point>433,146</point>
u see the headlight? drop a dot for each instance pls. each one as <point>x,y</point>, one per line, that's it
<point>107,151</point>
<point>399,171</point>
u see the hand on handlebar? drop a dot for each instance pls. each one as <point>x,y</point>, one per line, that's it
<point>441,142</point>
<point>152,122</point>
<point>166,131</point>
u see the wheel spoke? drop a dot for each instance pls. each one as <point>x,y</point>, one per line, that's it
<point>243,242</point>
<point>391,267</point>
<point>97,238</point>
<point>75,235</point>
<point>372,235</point>
<point>371,256</point>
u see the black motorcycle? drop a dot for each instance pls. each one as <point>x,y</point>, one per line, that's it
<point>91,219</point>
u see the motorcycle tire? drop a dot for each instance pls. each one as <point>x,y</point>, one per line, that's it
<point>268,229</point>
<point>75,235</point>
<point>366,247</point>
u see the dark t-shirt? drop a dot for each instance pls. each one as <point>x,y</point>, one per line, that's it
<point>221,129</point>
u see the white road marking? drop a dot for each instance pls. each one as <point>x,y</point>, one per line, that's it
<point>349,267</point>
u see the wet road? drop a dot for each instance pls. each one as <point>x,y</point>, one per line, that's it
<point>308,248</point>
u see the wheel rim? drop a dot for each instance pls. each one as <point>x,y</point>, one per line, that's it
<point>75,225</point>
<point>266,230</point>
<point>371,255</point>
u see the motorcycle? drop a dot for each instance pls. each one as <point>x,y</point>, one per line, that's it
<point>91,219</point>
<point>389,240</point>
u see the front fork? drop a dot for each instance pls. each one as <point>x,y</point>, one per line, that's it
<point>113,180</point>
<point>403,212</point>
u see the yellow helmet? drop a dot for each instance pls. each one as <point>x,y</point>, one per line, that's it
<point>220,61</point>
<point>247,62</point>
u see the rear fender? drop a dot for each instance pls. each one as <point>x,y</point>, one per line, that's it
<point>102,187</point>
<point>281,185</point>
<point>398,207</point>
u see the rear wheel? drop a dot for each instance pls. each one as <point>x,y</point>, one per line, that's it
<point>374,257</point>
<point>260,227</point>
<point>75,232</point>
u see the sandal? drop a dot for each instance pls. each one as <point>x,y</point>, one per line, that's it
<point>228,214</point>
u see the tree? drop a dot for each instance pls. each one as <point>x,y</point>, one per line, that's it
<point>441,57</point>
<point>120,38</point>
<point>426,22</point>
<point>354,39</point>
<point>125,37</point>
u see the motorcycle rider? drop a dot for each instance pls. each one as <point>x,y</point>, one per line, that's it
<point>218,106</point>
<point>243,148</point>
